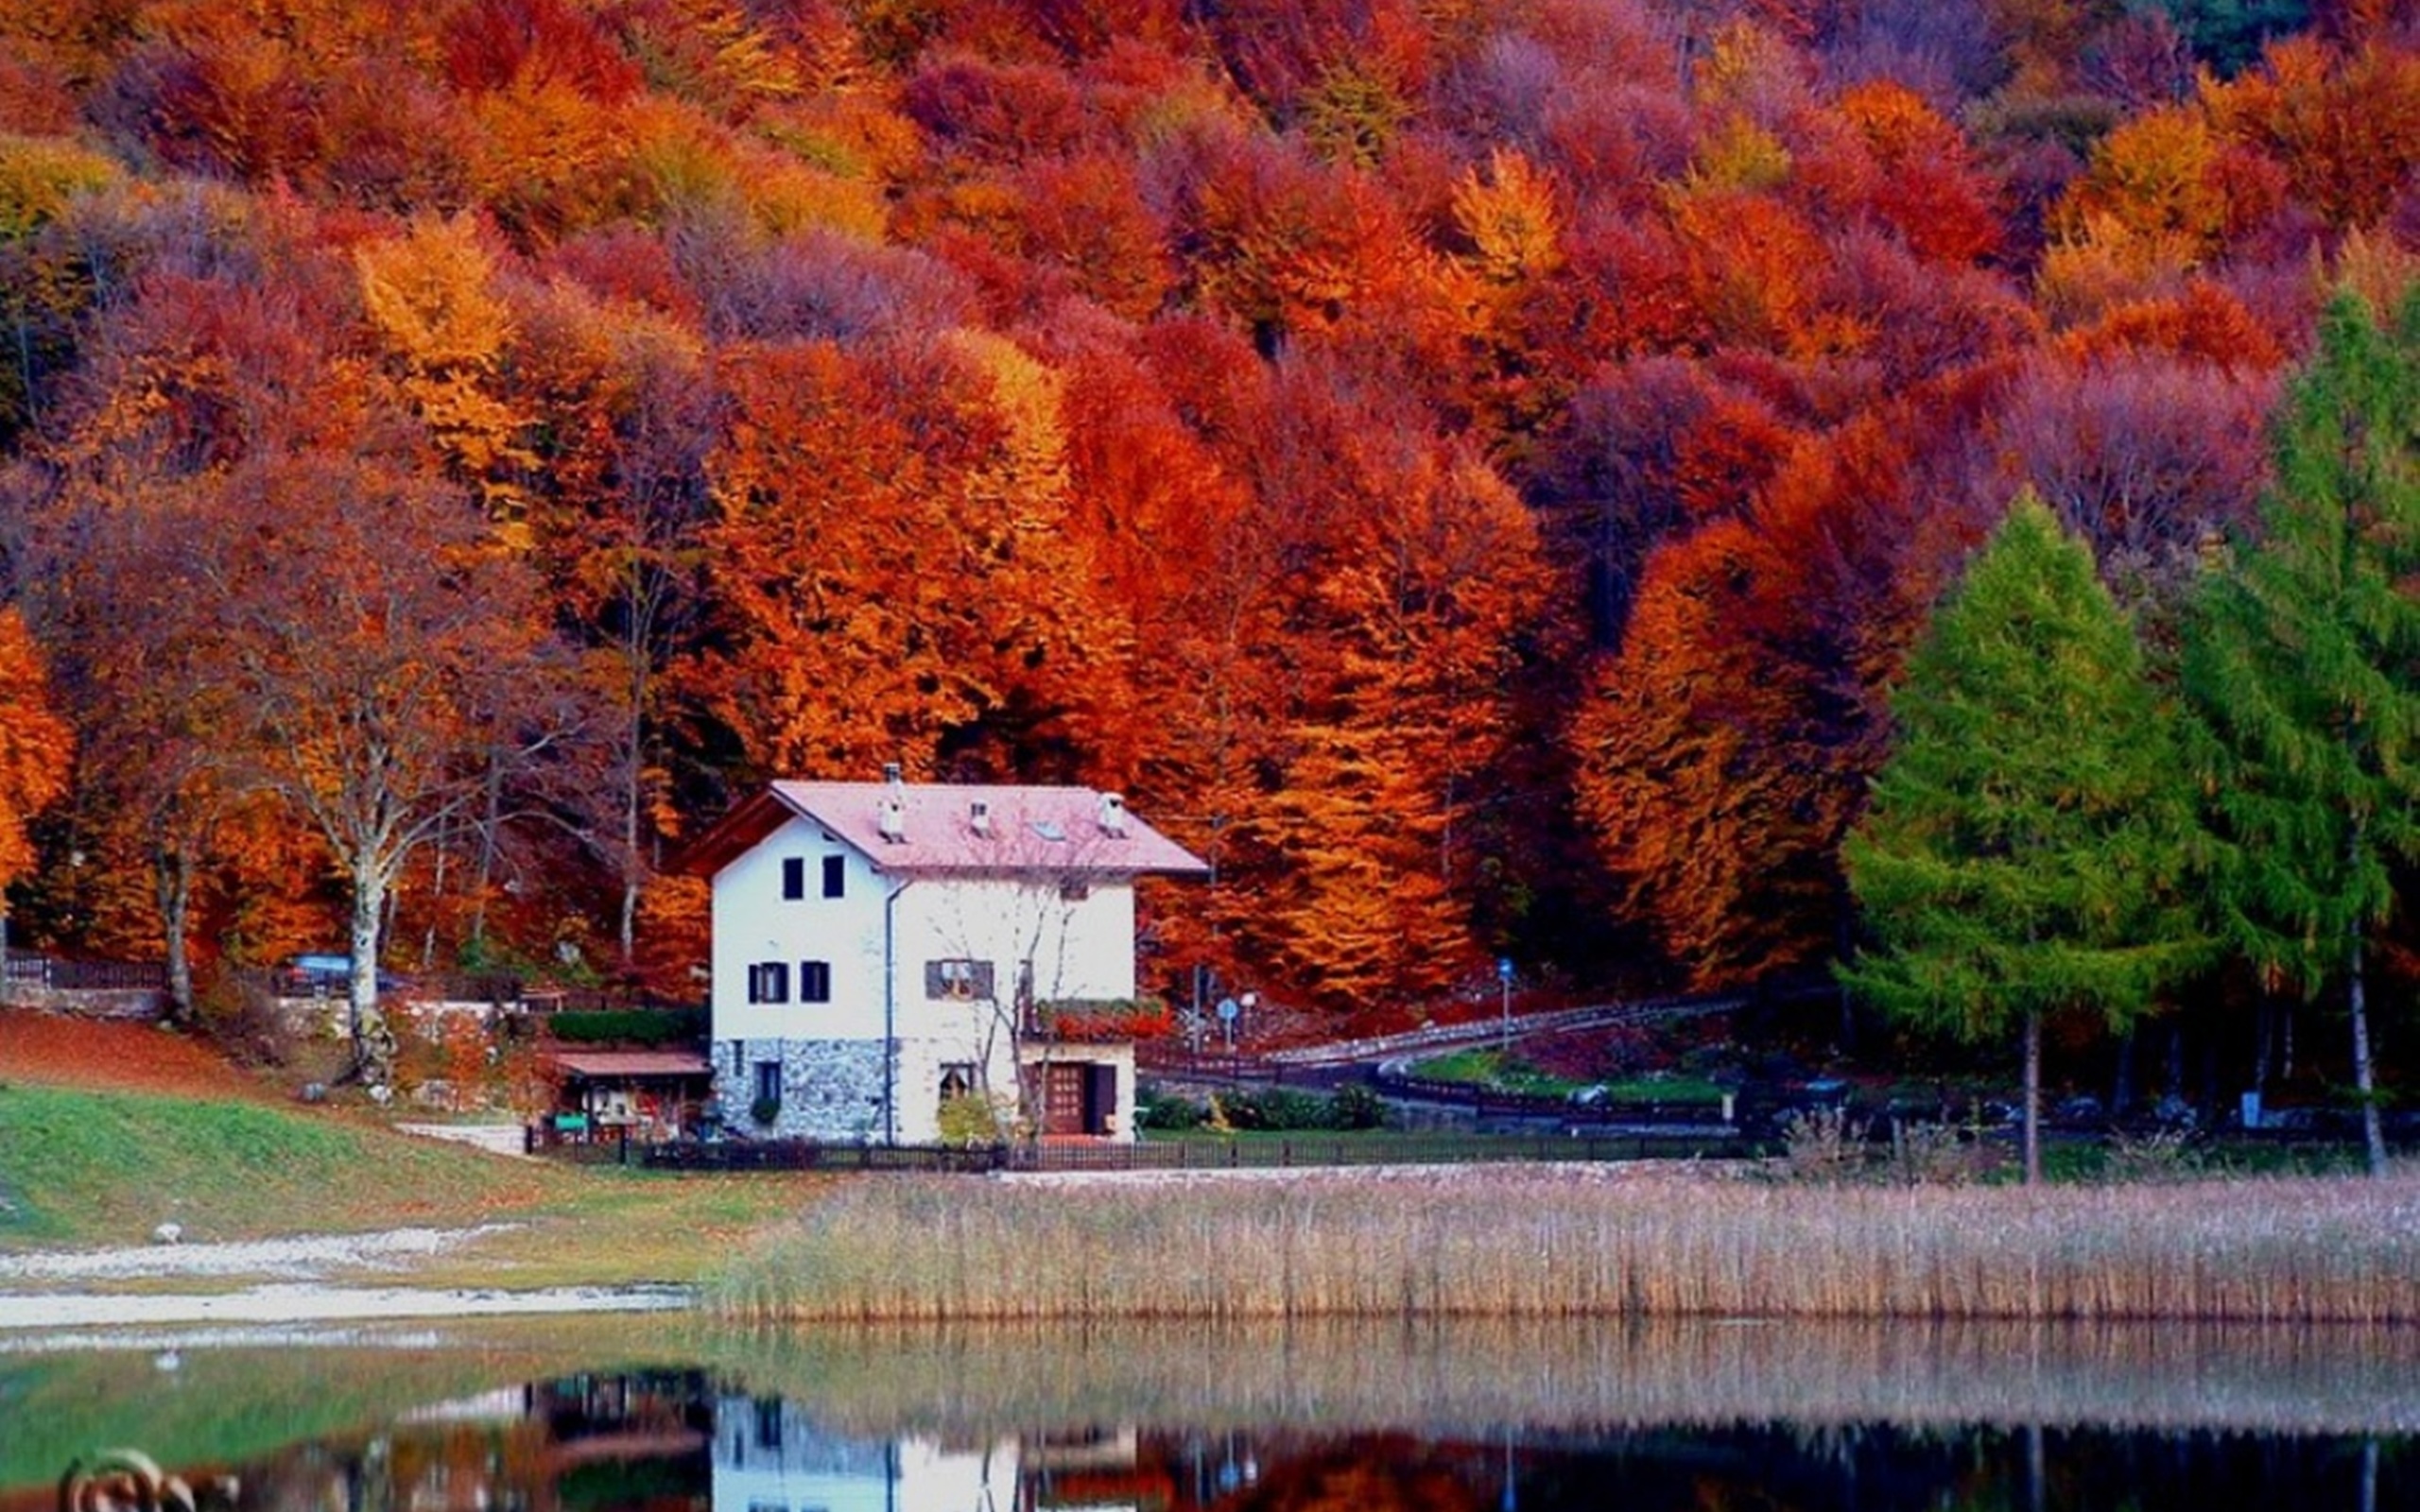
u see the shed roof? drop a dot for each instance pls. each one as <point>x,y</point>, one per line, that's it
<point>602,1065</point>
<point>967,828</point>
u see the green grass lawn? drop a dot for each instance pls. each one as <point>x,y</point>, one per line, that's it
<point>85,1168</point>
<point>1497,1071</point>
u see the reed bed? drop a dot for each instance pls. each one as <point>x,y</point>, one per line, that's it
<point>1517,1244</point>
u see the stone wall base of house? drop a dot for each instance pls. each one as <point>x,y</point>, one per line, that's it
<point>832,1090</point>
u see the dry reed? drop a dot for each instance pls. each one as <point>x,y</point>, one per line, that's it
<point>1542,1243</point>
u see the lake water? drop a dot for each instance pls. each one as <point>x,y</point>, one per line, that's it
<point>667,1414</point>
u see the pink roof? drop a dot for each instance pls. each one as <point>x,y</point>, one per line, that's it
<point>1051,831</point>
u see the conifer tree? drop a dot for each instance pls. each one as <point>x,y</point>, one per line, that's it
<point>2300,661</point>
<point>2029,832</point>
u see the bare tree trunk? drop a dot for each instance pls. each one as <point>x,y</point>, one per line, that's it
<point>633,799</point>
<point>2033,1096</point>
<point>364,1025</point>
<point>2364,1080</point>
<point>490,821</point>
<point>2121,1086</point>
<point>2264,1032</point>
<point>172,889</point>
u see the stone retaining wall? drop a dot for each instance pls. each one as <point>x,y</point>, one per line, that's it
<point>137,1005</point>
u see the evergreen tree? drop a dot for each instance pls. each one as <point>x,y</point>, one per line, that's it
<point>2300,659</point>
<point>2027,836</point>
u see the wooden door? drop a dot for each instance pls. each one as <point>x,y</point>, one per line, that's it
<point>1064,1099</point>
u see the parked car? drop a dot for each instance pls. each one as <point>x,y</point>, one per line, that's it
<point>323,976</point>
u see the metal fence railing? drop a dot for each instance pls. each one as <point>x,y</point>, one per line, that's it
<point>1303,1151</point>
<point>86,976</point>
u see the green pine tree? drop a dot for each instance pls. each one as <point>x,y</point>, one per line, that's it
<point>2024,851</point>
<point>2300,659</point>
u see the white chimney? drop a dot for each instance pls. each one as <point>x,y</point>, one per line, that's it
<point>892,816</point>
<point>1112,814</point>
<point>979,815</point>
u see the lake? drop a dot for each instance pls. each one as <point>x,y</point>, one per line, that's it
<point>671,1415</point>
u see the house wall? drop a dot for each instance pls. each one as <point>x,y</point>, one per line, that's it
<point>1080,946</point>
<point>753,923</point>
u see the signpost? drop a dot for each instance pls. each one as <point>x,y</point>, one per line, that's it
<point>1504,982</point>
<point>1228,1009</point>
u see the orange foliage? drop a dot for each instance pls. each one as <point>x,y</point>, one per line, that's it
<point>2345,127</point>
<point>1725,750</point>
<point>2205,321</point>
<point>36,745</point>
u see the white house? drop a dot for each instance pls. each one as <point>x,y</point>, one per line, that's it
<point>882,947</point>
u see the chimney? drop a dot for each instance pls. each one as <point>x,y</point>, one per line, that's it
<point>892,816</point>
<point>979,815</point>
<point>1113,814</point>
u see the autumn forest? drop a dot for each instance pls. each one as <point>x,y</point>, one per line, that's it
<point>1475,471</point>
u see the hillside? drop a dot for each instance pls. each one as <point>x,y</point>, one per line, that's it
<point>1472,471</point>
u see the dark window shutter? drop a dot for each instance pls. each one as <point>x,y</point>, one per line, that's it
<point>835,876</point>
<point>934,986</point>
<point>794,877</point>
<point>982,979</point>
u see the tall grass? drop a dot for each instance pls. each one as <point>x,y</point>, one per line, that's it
<point>1513,1244</point>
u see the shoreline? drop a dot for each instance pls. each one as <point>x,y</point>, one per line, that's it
<point>312,1302</point>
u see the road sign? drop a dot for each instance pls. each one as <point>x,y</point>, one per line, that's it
<point>1504,968</point>
<point>1228,1009</point>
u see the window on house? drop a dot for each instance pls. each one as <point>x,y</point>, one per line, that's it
<point>958,979</point>
<point>815,981</point>
<point>769,982</point>
<point>794,877</point>
<point>835,876</point>
<point>768,1081</point>
<point>957,1080</point>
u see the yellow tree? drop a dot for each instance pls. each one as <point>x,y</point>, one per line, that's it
<point>429,299</point>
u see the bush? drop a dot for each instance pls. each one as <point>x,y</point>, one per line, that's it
<point>764,1111</point>
<point>1276,1108</point>
<point>969,1119</point>
<point>1823,1144</point>
<point>1356,1107</point>
<point>1282,1110</point>
<point>641,1026</point>
<point>244,1020</point>
<point>1166,1112</point>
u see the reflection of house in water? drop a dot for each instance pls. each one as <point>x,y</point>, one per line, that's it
<point>770,1456</point>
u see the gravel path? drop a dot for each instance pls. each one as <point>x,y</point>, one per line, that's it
<point>302,1259</point>
<point>296,1290</point>
<point>306,1303</point>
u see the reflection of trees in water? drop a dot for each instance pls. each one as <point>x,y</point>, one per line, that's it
<point>1780,1469</point>
<point>656,1443</point>
<point>605,1443</point>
